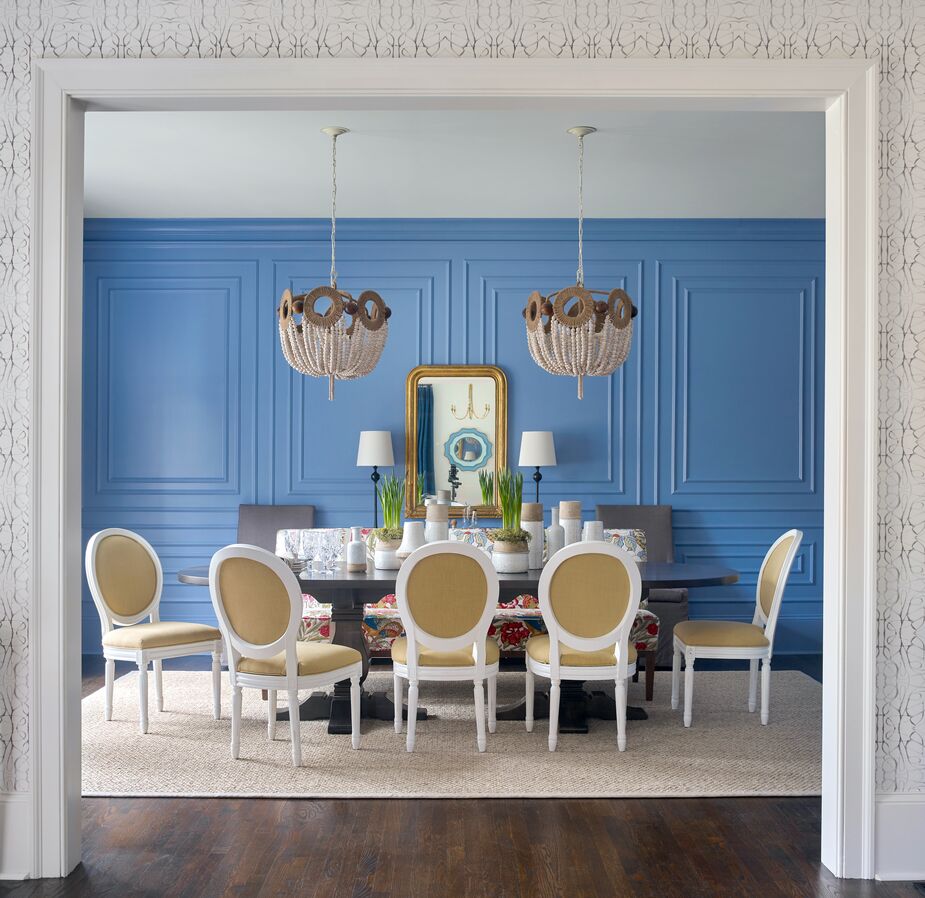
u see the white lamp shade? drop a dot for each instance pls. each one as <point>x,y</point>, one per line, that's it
<point>537,448</point>
<point>375,449</point>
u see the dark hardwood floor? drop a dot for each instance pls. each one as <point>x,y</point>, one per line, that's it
<point>654,848</point>
<point>498,848</point>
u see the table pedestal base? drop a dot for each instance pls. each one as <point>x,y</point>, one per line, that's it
<point>576,705</point>
<point>335,708</point>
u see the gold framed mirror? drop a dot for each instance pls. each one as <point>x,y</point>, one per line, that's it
<point>455,437</point>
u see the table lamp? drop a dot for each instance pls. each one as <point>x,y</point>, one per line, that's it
<point>375,450</point>
<point>537,450</point>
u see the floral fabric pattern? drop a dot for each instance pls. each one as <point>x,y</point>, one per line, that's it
<point>515,621</point>
<point>632,541</point>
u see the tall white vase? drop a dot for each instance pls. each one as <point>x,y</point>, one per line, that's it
<point>570,517</point>
<point>531,519</point>
<point>555,535</point>
<point>356,551</point>
<point>437,523</point>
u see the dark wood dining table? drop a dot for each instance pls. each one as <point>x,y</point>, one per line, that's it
<point>348,592</point>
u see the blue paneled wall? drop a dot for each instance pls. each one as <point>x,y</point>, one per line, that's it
<point>189,408</point>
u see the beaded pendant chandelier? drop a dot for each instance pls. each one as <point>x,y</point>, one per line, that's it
<point>325,343</point>
<point>570,332</point>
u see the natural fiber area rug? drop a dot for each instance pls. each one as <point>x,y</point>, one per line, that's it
<point>726,752</point>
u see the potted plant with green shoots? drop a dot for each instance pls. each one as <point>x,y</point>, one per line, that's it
<point>487,487</point>
<point>391,491</point>
<point>510,552</point>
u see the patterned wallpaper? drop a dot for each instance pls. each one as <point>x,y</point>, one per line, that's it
<point>894,30</point>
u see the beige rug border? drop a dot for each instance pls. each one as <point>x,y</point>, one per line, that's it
<point>442,796</point>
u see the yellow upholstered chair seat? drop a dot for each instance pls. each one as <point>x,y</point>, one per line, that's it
<point>314,658</point>
<point>430,658</point>
<point>538,650</point>
<point>720,633</point>
<point>160,635</point>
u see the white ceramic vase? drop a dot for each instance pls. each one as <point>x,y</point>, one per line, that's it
<point>570,518</point>
<point>386,555</point>
<point>531,519</point>
<point>593,532</point>
<point>356,551</point>
<point>412,538</point>
<point>555,535</point>
<point>437,523</point>
<point>510,558</point>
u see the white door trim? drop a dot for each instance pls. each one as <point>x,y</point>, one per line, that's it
<point>846,89</point>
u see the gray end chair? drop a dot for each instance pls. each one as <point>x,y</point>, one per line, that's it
<point>257,524</point>
<point>669,604</point>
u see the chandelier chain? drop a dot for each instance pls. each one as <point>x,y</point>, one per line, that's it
<point>333,208</point>
<point>580,276</point>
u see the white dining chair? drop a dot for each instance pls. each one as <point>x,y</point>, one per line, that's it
<point>738,640</point>
<point>258,603</point>
<point>126,578</point>
<point>446,594</point>
<point>589,596</point>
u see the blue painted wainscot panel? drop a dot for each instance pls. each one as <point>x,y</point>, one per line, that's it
<point>189,408</point>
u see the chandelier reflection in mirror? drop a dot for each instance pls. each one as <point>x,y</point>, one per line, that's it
<point>325,343</point>
<point>570,332</point>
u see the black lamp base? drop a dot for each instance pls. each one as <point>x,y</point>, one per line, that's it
<point>375,477</point>
<point>537,477</point>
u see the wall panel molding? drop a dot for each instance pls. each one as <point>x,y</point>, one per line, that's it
<point>457,289</point>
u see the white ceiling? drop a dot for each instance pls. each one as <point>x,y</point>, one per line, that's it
<point>408,164</point>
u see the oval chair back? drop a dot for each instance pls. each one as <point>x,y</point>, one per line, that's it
<point>258,603</point>
<point>446,594</point>
<point>772,580</point>
<point>125,577</point>
<point>589,596</point>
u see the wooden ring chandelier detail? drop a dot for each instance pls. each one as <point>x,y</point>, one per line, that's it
<point>571,333</point>
<point>345,339</point>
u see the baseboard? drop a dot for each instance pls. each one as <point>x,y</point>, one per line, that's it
<point>900,826</point>
<point>16,831</point>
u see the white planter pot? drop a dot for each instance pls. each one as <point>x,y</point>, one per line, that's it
<point>510,558</point>
<point>386,555</point>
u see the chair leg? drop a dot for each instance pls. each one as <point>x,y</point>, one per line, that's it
<point>752,684</point>
<point>398,689</point>
<point>675,678</point>
<point>688,687</point>
<point>235,722</point>
<point>217,685</point>
<point>110,679</point>
<point>620,696</point>
<point>529,700</point>
<point>553,714</point>
<point>478,689</point>
<point>650,675</point>
<point>143,695</point>
<point>765,690</point>
<point>295,729</point>
<point>271,714</point>
<point>492,704</point>
<point>412,714</point>
<point>159,684</point>
<point>355,711</point>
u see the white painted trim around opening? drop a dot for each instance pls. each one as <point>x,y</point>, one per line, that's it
<point>846,89</point>
<point>900,830</point>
